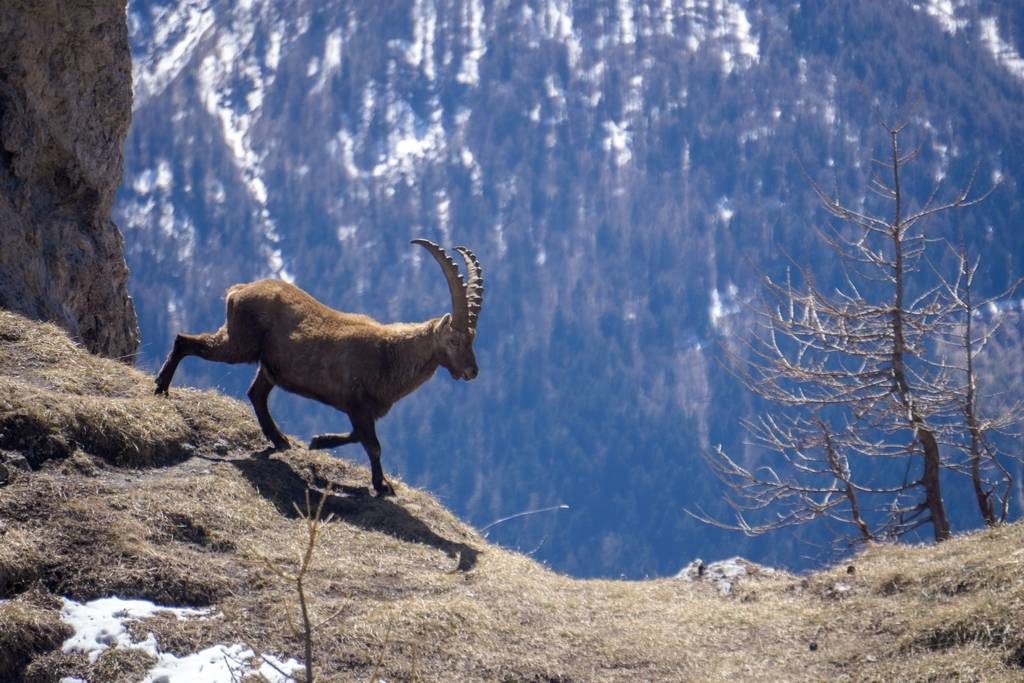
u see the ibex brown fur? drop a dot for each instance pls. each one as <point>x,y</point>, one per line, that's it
<point>346,360</point>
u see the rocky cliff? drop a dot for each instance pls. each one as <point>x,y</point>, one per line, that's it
<point>65,106</point>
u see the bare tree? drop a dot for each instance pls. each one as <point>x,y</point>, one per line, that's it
<point>315,530</point>
<point>976,435</point>
<point>863,390</point>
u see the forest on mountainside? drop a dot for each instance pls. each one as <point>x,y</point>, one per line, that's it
<point>627,175</point>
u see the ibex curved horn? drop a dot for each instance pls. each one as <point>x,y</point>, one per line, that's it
<point>456,285</point>
<point>475,286</point>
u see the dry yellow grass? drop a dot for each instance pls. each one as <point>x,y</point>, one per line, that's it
<point>174,500</point>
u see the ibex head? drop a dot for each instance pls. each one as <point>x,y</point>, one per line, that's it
<point>457,330</point>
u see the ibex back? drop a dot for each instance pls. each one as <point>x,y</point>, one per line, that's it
<point>346,360</point>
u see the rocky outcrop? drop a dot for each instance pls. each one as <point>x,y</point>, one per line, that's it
<point>65,106</point>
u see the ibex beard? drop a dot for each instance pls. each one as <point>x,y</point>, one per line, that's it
<point>345,360</point>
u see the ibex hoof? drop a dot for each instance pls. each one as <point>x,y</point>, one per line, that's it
<point>160,391</point>
<point>385,490</point>
<point>281,444</point>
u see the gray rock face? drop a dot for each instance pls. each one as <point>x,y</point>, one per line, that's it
<point>65,106</point>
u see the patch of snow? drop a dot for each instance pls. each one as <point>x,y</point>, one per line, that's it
<point>945,12</point>
<point>342,147</point>
<point>557,25</point>
<point>829,114</point>
<point>149,180</point>
<point>410,140</point>
<point>232,66</point>
<point>667,18</point>
<point>501,246</point>
<point>557,96</point>
<point>1004,53</point>
<point>164,175</point>
<point>715,310</point>
<point>722,306</point>
<point>368,104</point>
<point>475,48</point>
<point>727,25</point>
<point>594,76</point>
<point>444,215</point>
<point>226,663</point>
<point>331,62</point>
<point>725,210</point>
<point>627,27</point>
<point>215,191</point>
<point>617,140</point>
<point>943,153</point>
<point>346,232</point>
<point>838,589</point>
<point>275,260</point>
<point>754,134</point>
<point>177,31</point>
<point>736,19</point>
<point>213,76</point>
<point>101,624</point>
<point>143,182</point>
<point>476,175</point>
<point>273,56</point>
<point>998,308</point>
<point>635,98</point>
<point>419,53</point>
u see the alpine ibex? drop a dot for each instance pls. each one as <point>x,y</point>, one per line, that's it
<point>346,360</point>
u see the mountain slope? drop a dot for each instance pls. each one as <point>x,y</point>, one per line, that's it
<point>170,499</point>
<point>625,171</point>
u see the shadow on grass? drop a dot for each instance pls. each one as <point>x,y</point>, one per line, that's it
<point>276,481</point>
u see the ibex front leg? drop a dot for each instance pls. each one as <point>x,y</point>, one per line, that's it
<point>368,437</point>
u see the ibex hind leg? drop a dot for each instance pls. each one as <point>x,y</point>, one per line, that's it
<point>364,431</point>
<point>258,393</point>
<point>217,346</point>
<point>323,441</point>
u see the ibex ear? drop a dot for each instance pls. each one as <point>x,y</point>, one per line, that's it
<point>446,321</point>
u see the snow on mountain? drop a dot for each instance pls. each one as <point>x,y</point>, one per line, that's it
<point>1003,52</point>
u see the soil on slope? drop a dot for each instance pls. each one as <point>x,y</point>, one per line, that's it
<point>176,499</point>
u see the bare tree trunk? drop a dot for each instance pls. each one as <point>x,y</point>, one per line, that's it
<point>984,499</point>
<point>843,474</point>
<point>930,479</point>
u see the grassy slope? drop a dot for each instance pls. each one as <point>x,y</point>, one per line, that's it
<point>175,500</point>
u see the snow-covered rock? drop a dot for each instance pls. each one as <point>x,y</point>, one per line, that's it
<point>723,574</point>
